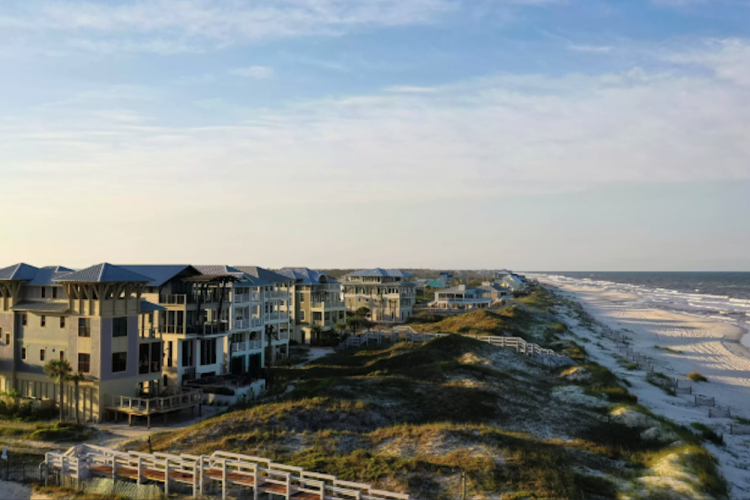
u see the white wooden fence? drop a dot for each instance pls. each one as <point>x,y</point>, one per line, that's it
<point>221,469</point>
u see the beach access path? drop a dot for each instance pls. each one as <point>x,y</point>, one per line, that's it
<point>685,344</point>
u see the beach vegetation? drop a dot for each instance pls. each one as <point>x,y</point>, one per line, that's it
<point>708,434</point>
<point>697,377</point>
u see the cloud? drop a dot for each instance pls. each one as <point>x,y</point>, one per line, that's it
<point>595,49</point>
<point>173,26</point>
<point>483,137</point>
<point>254,72</point>
<point>728,59</point>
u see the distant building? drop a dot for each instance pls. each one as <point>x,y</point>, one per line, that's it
<point>389,294</point>
<point>316,300</point>
<point>463,297</point>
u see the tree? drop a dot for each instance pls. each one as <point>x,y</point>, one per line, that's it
<point>362,312</point>
<point>340,327</point>
<point>77,378</point>
<point>315,332</point>
<point>270,337</point>
<point>59,370</point>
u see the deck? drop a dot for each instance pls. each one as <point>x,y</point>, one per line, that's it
<point>148,407</point>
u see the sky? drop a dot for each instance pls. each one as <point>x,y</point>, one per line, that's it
<point>523,134</point>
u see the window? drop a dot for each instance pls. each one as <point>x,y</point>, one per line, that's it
<point>62,355</point>
<point>7,339</point>
<point>41,354</point>
<point>62,321</point>
<point>302,315</point>
<point>54,292</point>
<point>119,362</point>
<point>44,292</point>
<point>208,352</point>
<point>84,329</point>
<point>24,318</point>
<point>84,362</point>
<point>43,321</point>
<point>301,298</point>
<point>187,353</point>
<point>143,363</point>
<point>169,353</point>
<point>119,327</point>
<point>156,355</point>
<point>166,381</point>
<point>23,353</point>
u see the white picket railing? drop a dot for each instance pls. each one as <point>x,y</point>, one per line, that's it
<point>227,469</point>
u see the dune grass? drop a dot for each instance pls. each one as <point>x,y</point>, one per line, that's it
<point>697,377</point>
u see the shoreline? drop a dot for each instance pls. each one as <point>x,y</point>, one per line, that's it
<point>676,344</point>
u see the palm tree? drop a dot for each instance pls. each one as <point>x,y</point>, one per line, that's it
<point>340,327</point>
<point>77,378</point>
<point>59,370</point>
<point>270,337</point>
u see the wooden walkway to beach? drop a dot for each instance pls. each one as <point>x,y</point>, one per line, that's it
<point>204,473</point>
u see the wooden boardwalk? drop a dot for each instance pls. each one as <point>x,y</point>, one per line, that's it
<point>222,470</point>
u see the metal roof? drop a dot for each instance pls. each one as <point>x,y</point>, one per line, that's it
<point>147,306</point>
<point>41,307</point>
<point>216,270</point>
<point>46,275</point>
<point>381,273</point>
<point>305,276</point>
<point>23,272</point>
<point>104,273</point>
<point>264,274</point>
<point>159,274</point>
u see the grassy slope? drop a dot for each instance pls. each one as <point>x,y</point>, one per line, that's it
<point>412,417</point>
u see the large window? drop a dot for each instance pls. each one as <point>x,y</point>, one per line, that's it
<point>143,352</point>
<point>62,321</point>
<point>41,354</point>
<point>208,352</point>
<point>84,327</point>
<point>119,327</point>
<point>119,362</point>
<point>84,362</point>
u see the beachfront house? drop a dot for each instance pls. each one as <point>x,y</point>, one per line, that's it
<point>463,297</point>
<point>389,294</point>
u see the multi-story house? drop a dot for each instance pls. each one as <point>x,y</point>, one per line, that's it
<point>91,318</point>
<point>316,301</point>
<point>261,319</point>
<point>389,294</point>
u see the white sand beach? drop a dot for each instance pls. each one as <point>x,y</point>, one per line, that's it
<point>678,344</point>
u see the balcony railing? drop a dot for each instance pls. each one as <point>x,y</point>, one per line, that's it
<point>241,298</point>
<point>277,295</point>
<point>255,322</point>
<point>284,336</point>
<point>330,304</point>
<point>237,347</point>
<point>172,299</point>
<point>255,297</point>
<point>241,323</point>
<point>254,344</point>
<point>275,316</point>
<point>188,372</point>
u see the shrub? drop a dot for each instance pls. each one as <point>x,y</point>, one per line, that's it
<point>697,377</point>
<point>708,434</point>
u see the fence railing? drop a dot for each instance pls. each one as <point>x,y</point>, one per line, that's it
<point>155,405</point>
<point>199,471</point>
<point>739,429</point>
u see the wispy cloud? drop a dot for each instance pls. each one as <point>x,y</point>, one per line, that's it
<point>171,26</point>
<point>406,89</point>
<point>254,72</point>
<point>594,49</point>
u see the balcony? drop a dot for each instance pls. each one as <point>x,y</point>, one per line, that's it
<point>283,336</point>
<point>187,372</point>
<point>241,323</point>
<point>241,298</point>
<point>275,316</point>
<point>237,347</point>
<point>255,297</point>
<point>254,344</point>
<point>255,322</point>
<point>277,295</point>
<point>173,299</point>
<point>330,304</point>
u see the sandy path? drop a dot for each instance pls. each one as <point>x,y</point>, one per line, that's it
<point>711,348</point>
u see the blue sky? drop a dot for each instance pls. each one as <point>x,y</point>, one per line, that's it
<point>530,134</point>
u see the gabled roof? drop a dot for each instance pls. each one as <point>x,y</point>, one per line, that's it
<point>46,275</point>
<point>147,306</point>
<point>104,273</point>
<point>159,274</point>
<point>218,270</point>
<point>23,272</point>
<point>381,273</point>
<point>264,274</point>
<point>305,276</point>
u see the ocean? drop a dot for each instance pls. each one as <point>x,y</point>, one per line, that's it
<point>724,296</point>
